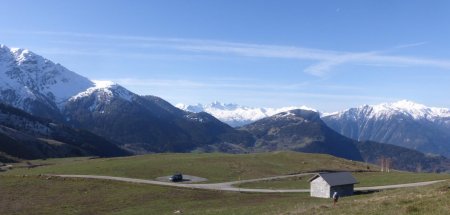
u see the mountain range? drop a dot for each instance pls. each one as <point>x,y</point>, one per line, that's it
<point>236,115</point>
<point>403,123</point>
<point>303,131</point>
<point>50,111</point>
<point>139,124</point>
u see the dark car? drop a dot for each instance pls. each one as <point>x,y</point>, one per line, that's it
<point>176,177</point>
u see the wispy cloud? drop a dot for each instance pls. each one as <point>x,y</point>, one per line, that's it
<point>211,84</point>
<point>323,61</point>
<point>126,54</point>
<point>253,92</point>
<point>409,45</point>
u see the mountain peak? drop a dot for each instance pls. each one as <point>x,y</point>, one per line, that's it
<point>237,115</point>
<point>223,106</point>
<point>104,90</point>
<point>22,55</point>
<point>402,105</point>
<point>298,113</point>
<point>26,77</point>
<point>413,109</point>
<point>103,84</point>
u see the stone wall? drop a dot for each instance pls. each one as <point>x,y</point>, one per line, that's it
<point>320,188</point>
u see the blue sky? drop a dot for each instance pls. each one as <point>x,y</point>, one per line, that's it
<point>328,55</point>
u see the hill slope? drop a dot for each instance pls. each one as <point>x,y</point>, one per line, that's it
<point>147,123</point>
<point>25,136</point>
<point>402,158</point>
<point>303,131</point>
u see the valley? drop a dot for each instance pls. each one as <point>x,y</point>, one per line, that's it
<point>249,107</point>
<point>88,140</point>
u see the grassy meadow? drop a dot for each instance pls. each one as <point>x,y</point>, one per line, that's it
<point>365,179</point>
<point>25,191</point>
<point>216,167</point>
<point>39,195</point>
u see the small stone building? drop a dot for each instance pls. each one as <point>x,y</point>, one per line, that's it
<point>323,185</point>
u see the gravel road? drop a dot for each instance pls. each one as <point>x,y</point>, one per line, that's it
<point>228,186</point>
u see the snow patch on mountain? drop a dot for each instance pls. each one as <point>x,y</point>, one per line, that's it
<point>417,111</point>
<point>403,107</point>
<point>105,91</point>
<point>285,115</point>
<point>236,115</point>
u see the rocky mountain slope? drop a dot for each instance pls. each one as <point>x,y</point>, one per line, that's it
<point>147,123</point>
<point>402,123</point>
<point>25,136</point>
<point>35,84</point>
<point>303,131</point>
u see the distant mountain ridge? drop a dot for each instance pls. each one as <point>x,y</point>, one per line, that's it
<point>402,123</point>
<point>140,124</point>
<point>408,108</point>
<point>103,118</point>
<point>236,115</point>
<point>303,131</point>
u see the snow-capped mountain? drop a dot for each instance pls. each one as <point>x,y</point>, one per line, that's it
<point>36,84</point>
<point>139,123</point>
<point>403,107</point>
<point>150,124</point>
<point>402,123</point>
<point>103,92</point>
<point>236,115</point>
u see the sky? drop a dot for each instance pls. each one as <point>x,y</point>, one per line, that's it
<point>328,55</point>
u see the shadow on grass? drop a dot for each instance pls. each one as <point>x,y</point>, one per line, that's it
<point>365,192</point>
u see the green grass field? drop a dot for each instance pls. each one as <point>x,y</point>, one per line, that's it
<point>365,179</point>
<point>23,191</point>
<point>213,166</point>
<point>37,195</point>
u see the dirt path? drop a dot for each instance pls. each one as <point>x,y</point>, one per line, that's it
<point>385,187</point>
<point>228,186</point>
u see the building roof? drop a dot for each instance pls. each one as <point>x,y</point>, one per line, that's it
<point>336,178</point>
